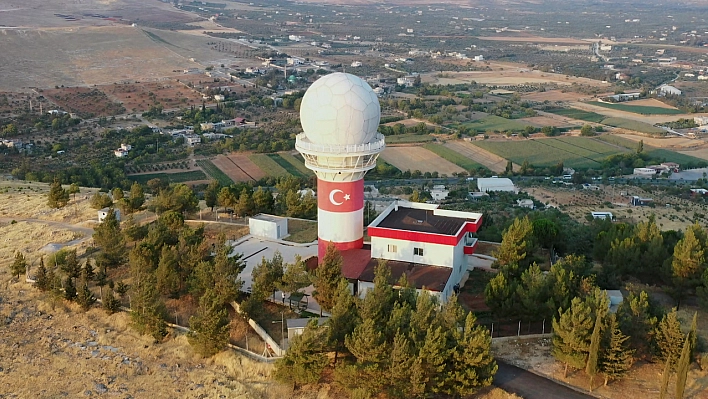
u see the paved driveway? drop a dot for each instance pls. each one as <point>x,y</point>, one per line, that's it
<point>531,386</point>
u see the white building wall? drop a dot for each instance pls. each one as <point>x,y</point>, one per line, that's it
<point>433,254</point>
<point>273,229</point>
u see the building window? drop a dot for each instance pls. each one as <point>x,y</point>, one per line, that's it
<point>392,248</point>
<point>418,251</point>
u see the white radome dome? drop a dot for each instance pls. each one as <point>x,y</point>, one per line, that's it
<point>340,109</point>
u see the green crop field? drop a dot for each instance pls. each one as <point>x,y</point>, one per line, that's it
<point>632,125</point>
<point>286,165</point>
<point>215,173</point>
<point>297,162</point>
<point>268,165</point>
<point>616,140</point>
<point>578,114</point>
<point>454,157</point>
<point>180,177</point>
<point>638,109</point>
<point>575,152</point>
<point>495,123</point>
<point>672,156</point>
<point>409,138</point>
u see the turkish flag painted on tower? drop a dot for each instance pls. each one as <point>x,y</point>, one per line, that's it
<point>340,196</point>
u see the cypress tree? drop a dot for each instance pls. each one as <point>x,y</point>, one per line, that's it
<point>616,358</point>
<point>326,278</point>
<point>669,338</point>
<point>693,333</point>
<point>665,378</point>
<point>594,348</point>
<point>41,279</point>
<point>210,326</point>
<point>19,265</point>
<point>571,335</point>
<point>682,368</point>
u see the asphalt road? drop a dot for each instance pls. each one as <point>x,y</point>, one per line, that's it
<point>530,386</point>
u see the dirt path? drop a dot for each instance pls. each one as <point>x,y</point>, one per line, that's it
<point>650,119</point>
<point>494,162</point>
<point>87,231</point>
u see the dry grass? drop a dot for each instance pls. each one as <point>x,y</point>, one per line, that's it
<point>19,199</point>
<point>29,238</point>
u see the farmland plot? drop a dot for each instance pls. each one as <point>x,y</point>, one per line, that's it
<point>418,158</point>
<point>234,170</point>
<point>492,161</point>
<point>268,165</point>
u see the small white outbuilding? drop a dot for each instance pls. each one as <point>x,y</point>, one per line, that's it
<point>268,226</point>
<point>487,184</point>
<point>104,212</point>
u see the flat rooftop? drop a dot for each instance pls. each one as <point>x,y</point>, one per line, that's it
<point>421,220</point>
<point>433,278</point>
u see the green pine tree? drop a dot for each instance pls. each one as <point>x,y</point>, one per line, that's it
<point>71,266</point>
<point>69,289</point>
<point>146,307</point>
<point>636,321</point>
<point>517,243</point>
<point>682,367</point>
<point>669,338</point>
<point>85,297</point>
<point>136,199</point>
<point>326,278</point>
<point>305,360</point>
<point>19,265</point>
<point>42,281</point>
<point>210,326</point>
<point>473,364</point>
<point>107,235</point>
<point>167,273</point>
<point>688,263</point>
<point>343,319</point>
<point>500,295</point>
<point>110,303</point>
<point>57,197</point>
<point>571,335</point>
<point>211,194</point>
<point>616,358</point>
<point>263,200</point>
<point>398,372</point>
<point>89,271</point>
<point>532,291</point>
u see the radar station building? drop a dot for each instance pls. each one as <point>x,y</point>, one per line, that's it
<point>340,115</point>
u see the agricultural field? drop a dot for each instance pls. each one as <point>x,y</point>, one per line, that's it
<point>491,161</point>
<point>453,156</point>
<point>419,158</point>
<point>553,95</point>
<point>193,176</point>
<point>575,152</point>
<point>292,168</point>
<point>238,167</point>
<point>85,102</point>
<point>409,138</point>
<point>494,123</point>
<point>268,165</point>
<point>215,173</point>
<point>138,97</point>
<point>651,147</point>
<point>630,124</point>
<point>639,109</point>
<point>549,120</point>
<point>297,162</point>
<point>578,114</point>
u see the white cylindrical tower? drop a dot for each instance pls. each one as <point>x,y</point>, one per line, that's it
<point>340,115</point>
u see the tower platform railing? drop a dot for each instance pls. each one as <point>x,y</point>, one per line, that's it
<point>303,144</point>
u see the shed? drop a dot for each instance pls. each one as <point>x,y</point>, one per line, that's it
<point>297,326</point>
<point>487,184</point>
<point>104,212</point>
<point>268,226</point>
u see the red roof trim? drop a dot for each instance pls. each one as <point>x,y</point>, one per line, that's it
<point>431,238</point>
